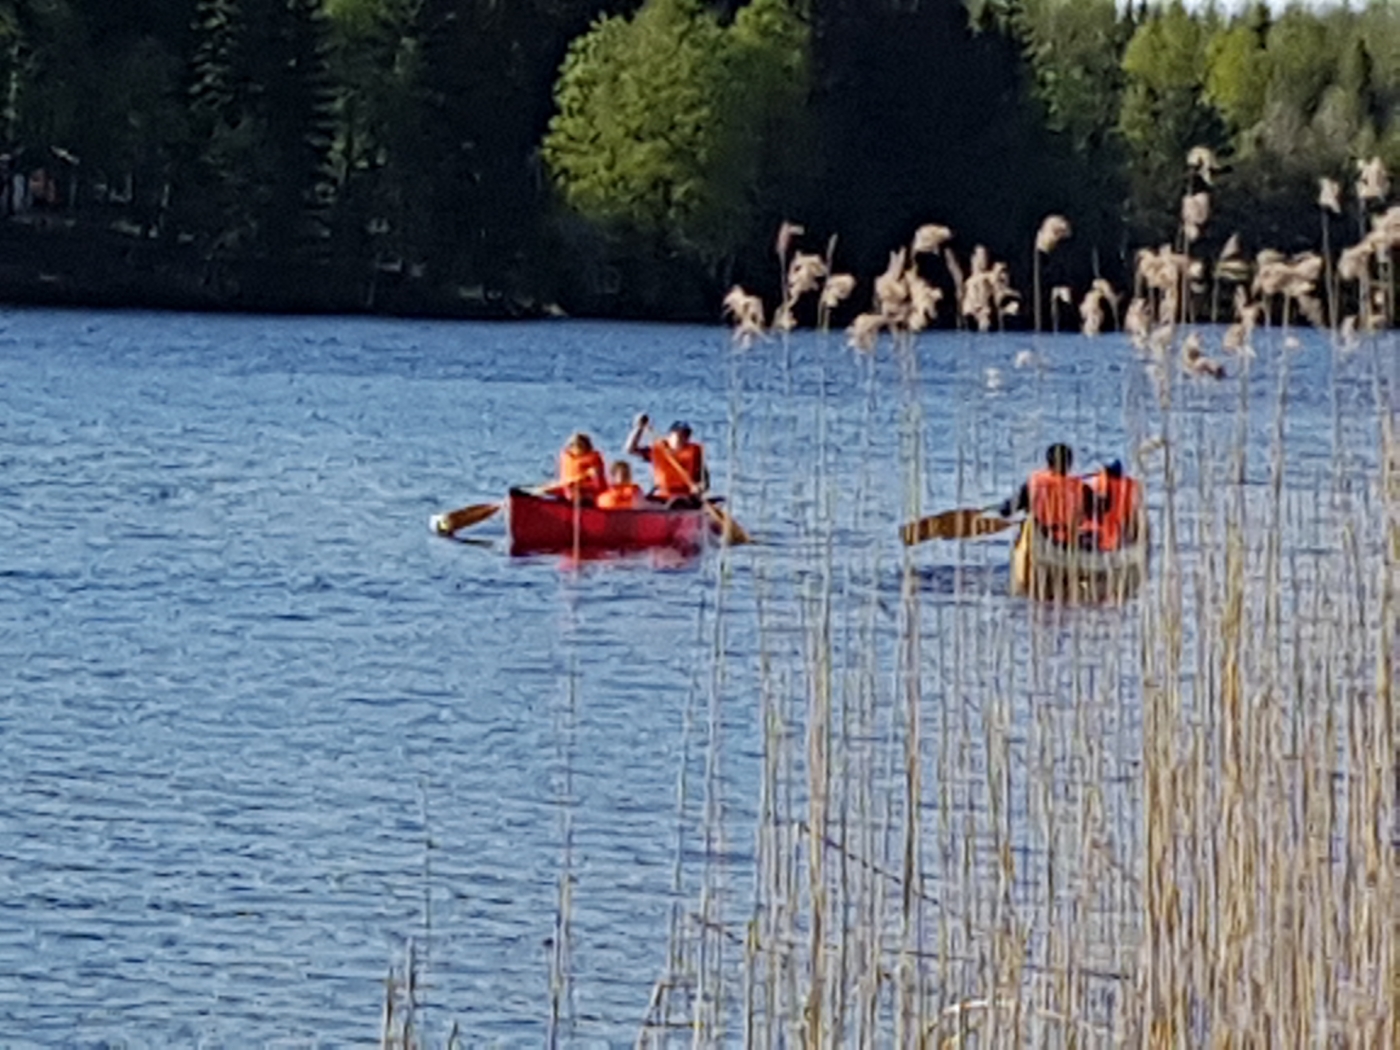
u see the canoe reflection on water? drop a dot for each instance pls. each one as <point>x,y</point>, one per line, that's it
<point>963,579</point>
<point>661,558</point>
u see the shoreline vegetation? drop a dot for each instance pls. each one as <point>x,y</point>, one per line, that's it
<point>616,157</point>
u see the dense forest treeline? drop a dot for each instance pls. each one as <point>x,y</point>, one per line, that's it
<point>635,157</point>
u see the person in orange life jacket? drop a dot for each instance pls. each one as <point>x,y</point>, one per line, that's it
<point>1116,506</point>
<point>678,472</point>
<point>621,493</point>
<point>1057,501</point>
<point>582,473</point>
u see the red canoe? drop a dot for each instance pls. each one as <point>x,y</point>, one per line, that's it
<point>548,524</point>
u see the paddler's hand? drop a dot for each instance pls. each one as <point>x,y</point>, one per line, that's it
<point>633,446</point>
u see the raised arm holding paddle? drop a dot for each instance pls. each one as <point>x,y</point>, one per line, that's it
<point>679,474</point>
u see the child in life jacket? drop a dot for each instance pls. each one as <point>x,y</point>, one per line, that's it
<point>621,493</point>
<point>582,474</point>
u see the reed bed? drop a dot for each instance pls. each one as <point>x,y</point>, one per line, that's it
<point>1167,823</point>
<point>986,822</point>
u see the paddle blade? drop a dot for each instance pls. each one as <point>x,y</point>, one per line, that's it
<point>733,533</point>
<point>462,518</point>
<point>963,523</point>
<point>987,526</point>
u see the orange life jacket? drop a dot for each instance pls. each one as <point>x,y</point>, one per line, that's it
<point>1118,518</point>
<point>582,470</point>
<point>1057,504</point>
<point>677,471</point>
<point>620,497</point>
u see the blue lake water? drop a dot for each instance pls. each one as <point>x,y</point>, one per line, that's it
<point>259,727</point>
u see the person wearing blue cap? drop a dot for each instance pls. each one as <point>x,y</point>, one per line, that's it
<point>679,475</point>
<point>1117,516</point>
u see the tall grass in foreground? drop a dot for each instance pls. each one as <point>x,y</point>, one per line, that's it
<point>1169,824</point>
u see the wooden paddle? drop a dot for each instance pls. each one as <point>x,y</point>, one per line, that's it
<point>730,529</point>
<point>451,521</point>
<point>960,524</point>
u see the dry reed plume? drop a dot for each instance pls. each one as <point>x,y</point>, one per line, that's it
<point>747,313</point>
<point>1329,195</point>
<point>1053,230</point>
<point>987,295</point>
<point>1201,162</point>
<point>1373,180</point>
<point>1169,282</point>
<point>1195,213</point>
<point>1194,360</point>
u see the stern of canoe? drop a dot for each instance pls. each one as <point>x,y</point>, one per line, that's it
<point>1047,572</point>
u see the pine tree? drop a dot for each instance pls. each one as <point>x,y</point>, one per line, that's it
<point>923,117</point>
<point>261,92</point>
<point>296,109</point>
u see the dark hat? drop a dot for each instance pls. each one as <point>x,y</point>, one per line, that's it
<point>680,426</point>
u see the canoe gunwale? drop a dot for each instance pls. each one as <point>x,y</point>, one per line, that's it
<point>1049,572</point>
<point>541,524</point>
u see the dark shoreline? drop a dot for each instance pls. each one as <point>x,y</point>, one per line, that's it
<point>56,261</point>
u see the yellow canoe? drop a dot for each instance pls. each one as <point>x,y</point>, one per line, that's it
<point>1047,571</point>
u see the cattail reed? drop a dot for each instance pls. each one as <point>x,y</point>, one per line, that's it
<point>746,311</point>
<point>1329,203</point>
<point>1053,230</point>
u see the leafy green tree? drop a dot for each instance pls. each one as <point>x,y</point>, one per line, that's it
<point>766,86</point>
<point>141,122</point>
<point>683,131</point>
<point>51,66</point>
<point>1164,113</point>
<point>1237,74</point>
<point>926,113</point>
<point>1074,49</point>
<point>92,94</point>
<point>669,120</point>
<point>377,62</point>
<point>1302,60</point>
<point>487,73</point>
